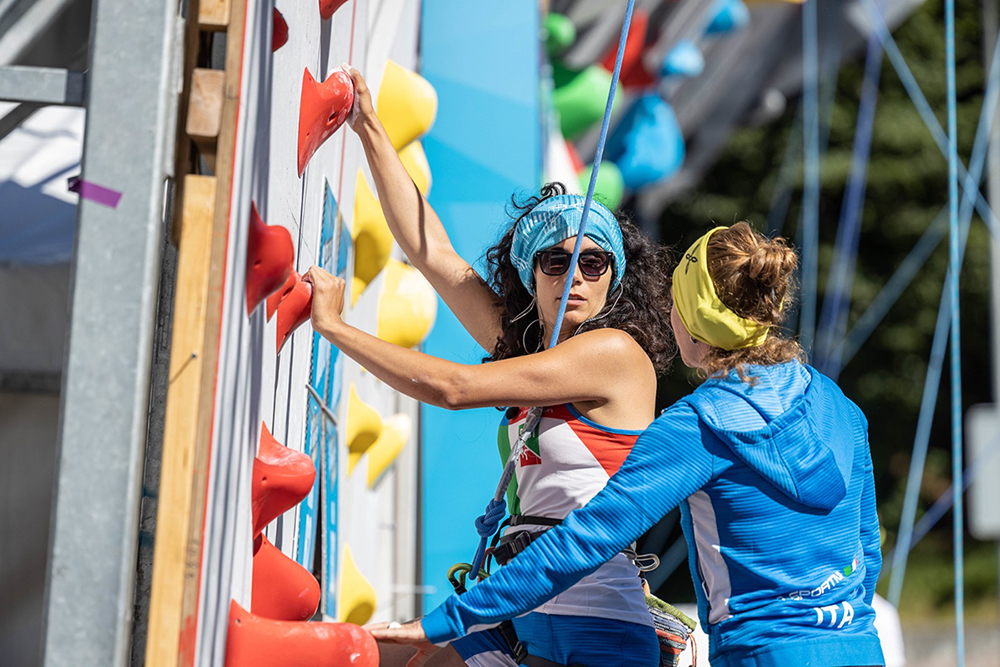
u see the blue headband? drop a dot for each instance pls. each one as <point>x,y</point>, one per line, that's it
<point>557,219</point>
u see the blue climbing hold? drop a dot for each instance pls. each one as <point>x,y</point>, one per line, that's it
<point>647,145</point>
<point>728,16</point>
<point>685,60</point>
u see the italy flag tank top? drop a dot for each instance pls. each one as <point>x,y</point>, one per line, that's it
<point>565,463</point>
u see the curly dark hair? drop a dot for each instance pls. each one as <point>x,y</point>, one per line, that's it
<point>642,311</point>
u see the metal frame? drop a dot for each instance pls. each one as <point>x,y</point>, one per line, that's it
<point>42,85</point>
<point>131,100</point>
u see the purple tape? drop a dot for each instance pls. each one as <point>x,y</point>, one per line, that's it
<point>94,192</point>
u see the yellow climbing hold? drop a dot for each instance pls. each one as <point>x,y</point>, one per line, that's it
<point>372,238</point>
<point>407,104</point>
<point>381,455</point>
<point>415,161</point>
<point>357,287</point>
<point>408,306</point>
<point>364,426</point>
<point>357,596</point>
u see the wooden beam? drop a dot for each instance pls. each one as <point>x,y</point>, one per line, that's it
<point>176,498</point>
<point>200,230</point>
<point>214,15</point>
<point>204,117</point>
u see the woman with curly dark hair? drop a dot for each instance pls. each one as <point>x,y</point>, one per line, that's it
<point>596,387</point>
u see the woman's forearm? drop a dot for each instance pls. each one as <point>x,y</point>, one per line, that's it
<point>413,373</point>
<point>413,222</point>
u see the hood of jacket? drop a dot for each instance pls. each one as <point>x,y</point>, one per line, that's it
<point>793,426</point>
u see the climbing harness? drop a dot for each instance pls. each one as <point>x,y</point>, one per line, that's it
<point>673,630</point>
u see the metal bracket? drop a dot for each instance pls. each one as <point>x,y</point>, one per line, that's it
<point>42,85</point>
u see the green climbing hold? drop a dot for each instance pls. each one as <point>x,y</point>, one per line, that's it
<point>610,188</point>
<point>560,33</point>
<point>580,97</point>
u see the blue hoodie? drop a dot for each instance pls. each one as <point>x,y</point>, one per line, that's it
<point>774,481</point>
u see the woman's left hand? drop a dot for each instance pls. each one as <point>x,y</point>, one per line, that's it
<point>327,299</point>
<point>411,634</point>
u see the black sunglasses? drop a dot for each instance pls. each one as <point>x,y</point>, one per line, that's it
<point>593,263</point>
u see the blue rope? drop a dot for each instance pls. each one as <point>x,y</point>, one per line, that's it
<point>593,175</point>
<point>942,505</point>
<point>781,197</point>
<point>921,440</point>
<point>892,290</point>
<point>932,236</point>
<point>810,196</point>
<point>956,358</point>
<point>487,524</point>
<point>930,120</point>
<point>833,320</point>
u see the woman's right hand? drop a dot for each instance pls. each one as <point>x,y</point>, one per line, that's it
<point>363,109</point>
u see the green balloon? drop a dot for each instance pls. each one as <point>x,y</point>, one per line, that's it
<point>560,33</point>
<point>580,97</point>
<point>610,188</point>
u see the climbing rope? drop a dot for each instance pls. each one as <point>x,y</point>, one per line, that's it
<point>954,266</point>
<point>836,303</point>
<point>487,524</point>
<point>907,531</point>
<point>810,196</point>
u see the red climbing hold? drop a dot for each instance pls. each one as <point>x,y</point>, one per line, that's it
<point>281,293</point>
<point>279,35</point>
<point>322,110</point>
<point>294,309</point>
<point>633,74</point>
<point>282,477</point>
<point>253,641</point>
<point>270,254</point>
<point>328,7</point>
<point>283,590</point>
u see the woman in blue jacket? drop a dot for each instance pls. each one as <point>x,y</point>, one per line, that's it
<point>769,463</point>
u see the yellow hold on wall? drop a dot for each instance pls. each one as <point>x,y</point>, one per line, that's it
<point>407,104</point>
<point>395,434</point>
<point>364,426</point>
<point>407,307</point>
<point>356,602</point>
<point>372,238</point>
<point>417,166</point>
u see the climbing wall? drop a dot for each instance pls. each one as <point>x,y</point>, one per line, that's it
<point>311,463</point>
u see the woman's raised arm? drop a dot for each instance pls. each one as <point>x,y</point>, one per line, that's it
<point>419,231</point>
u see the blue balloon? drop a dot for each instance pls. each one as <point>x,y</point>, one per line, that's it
<point>729,16</point>
<point>685,59</point>
<point>647,145</point>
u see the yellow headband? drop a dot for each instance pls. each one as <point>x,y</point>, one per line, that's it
<point>702,312</point>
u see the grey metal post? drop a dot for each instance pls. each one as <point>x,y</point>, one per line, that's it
<point>131,101</point>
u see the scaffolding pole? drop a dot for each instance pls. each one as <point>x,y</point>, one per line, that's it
<point>131,101</point>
